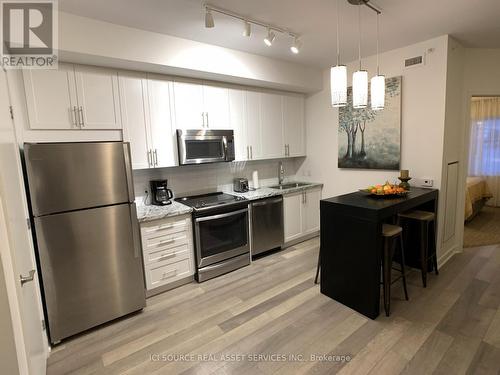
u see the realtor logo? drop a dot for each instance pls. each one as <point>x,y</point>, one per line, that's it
<point>29,34</point>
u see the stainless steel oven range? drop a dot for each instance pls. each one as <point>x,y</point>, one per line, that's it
<point>221,233</point>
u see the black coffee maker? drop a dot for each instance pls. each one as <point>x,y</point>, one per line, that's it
<point>160,195</point>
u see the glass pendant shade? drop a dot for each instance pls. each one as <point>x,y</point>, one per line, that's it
<point>377,91</point>
<point>360,89</point>
<point>338,85</point>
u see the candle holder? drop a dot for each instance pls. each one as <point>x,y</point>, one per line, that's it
<point>404,182</point>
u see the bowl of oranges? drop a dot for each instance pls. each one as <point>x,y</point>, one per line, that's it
<point>386,190</point>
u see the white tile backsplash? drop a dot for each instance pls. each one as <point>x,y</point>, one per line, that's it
<point>199,179</point>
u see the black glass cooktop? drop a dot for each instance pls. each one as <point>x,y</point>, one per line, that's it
<point>210,200</point>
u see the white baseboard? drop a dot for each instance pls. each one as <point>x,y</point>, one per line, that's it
<point>448,255</point>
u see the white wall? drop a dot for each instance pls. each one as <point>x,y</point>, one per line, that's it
<point>198,179</point>
<point>452,152</point>
<point>423,118</point>
<point>89,41</point>
<point>481,77</point>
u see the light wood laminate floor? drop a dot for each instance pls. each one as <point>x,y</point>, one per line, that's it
<point>273,307</point>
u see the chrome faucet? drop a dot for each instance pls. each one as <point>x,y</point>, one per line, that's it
<point>281,173</point>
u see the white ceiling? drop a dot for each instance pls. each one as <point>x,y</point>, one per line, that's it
<point>475,23</point>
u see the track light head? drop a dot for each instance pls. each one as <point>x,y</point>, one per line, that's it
<point>269,39</point>
<point>247,31</point>
<point>209,19</point>
<point>296,45</point>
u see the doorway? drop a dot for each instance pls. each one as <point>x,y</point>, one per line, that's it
<point>482,191</point>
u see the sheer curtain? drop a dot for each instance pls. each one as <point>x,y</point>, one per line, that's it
<point>484,156</point>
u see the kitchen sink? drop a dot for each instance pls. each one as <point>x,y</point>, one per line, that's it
<point>289,185</point>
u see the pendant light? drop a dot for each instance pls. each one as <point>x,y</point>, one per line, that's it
<point>378,82</point>
<point>359,78</point>
<point>338,76</point>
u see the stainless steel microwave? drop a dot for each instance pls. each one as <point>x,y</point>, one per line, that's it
<point>205,146</point>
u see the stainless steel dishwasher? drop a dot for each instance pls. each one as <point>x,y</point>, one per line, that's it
<point>267,224</point>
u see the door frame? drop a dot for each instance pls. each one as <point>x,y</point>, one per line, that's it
<point>466,134</point>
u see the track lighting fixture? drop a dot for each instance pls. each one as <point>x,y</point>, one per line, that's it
<point>247,31</point>
<point>296,45</point>
<point>269,39</point>
<point>209,19</point>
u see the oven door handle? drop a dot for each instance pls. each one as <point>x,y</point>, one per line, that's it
<point>221,216</point>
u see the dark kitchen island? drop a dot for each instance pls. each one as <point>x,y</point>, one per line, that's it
<point>351,244</point>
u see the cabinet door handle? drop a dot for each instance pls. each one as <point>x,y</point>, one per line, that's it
<point>248,152</point>
<point>73,116</point>
<point>80,116</point>
<point>150,162</point>
<point>170,240</point>
<point>27,279</point>
<point>165,256</point>
<point>208,123</point>
<point>156,157</point>
<point>288,150</point>
<point>167,275</point>
<point>251,152</point>
<point>202,119</point>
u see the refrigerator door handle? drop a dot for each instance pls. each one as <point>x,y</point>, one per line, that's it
<point>136,236</point>
<point>128,172</point>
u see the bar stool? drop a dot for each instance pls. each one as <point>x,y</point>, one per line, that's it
<point>425,219</point>
<point>392,233</point>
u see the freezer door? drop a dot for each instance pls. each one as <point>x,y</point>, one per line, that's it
<point>71,176</point>
<point>91,267</point>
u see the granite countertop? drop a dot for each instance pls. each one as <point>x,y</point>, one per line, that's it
<point>152,212</point>
<point>265,192</point>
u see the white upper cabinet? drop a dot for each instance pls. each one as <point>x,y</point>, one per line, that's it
<point>253,125</point>
<point>145,108</point>
<point>188,111</point>
<point>51,98</point>
<point>133,110</point>
<point>163,138</point>
<point>98,98</point>
<point>216,106</point>
<point>237,119</point>
<point>271,106</point>
<point>294,125</point>
<point>201,106</point>
<point>72,97</point>
<point>266,124</point>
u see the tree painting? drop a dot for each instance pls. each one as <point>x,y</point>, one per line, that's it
<point>371,139</point>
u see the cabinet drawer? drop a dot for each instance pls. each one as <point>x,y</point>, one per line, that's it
<point>164,228</point>
<point>168,255</point>
<point>165,241</point>
<point>167,273</point>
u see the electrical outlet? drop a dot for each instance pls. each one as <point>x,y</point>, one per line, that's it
<point>427,182</point>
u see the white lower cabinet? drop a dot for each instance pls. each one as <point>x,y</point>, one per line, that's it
<point>301,213</point>
<point>168,254</point>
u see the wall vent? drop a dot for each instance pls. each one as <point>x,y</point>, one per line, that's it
<point>412,62</point>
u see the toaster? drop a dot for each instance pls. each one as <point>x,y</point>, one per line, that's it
<point>240,185</point>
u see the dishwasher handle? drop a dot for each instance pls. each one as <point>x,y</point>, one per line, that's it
<point>267,201</point>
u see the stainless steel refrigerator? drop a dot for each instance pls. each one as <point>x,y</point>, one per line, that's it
<point>87,233</point>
